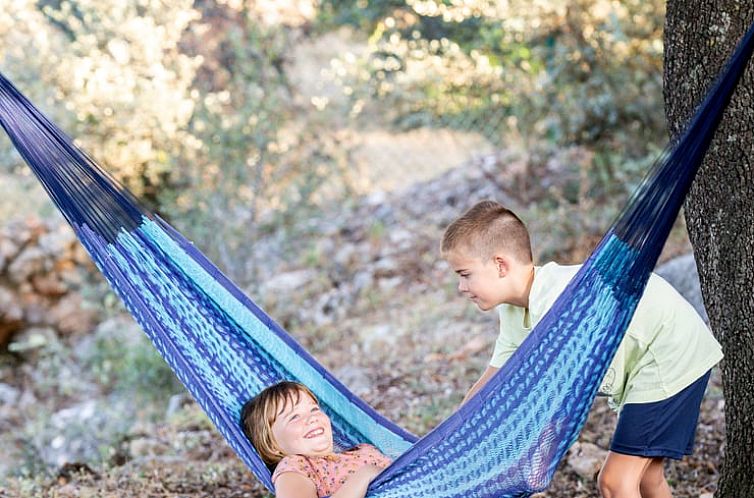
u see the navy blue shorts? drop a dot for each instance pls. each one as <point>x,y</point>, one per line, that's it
<point>664,428</point>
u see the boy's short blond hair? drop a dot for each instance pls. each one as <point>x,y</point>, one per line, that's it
<point>485,229</point>
<point>260,412</point>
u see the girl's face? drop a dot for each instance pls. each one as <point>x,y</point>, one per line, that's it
<point>301,428</point>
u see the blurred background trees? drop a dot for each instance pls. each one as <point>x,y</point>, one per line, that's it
<point>238,116</point>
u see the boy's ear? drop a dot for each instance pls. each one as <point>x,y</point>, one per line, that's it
<point>502,265</point>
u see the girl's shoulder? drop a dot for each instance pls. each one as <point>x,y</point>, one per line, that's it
<point>295,463</point>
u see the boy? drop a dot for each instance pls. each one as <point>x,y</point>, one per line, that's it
<point>659,373</point>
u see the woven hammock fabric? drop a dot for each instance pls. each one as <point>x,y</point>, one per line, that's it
<point>505,442</point>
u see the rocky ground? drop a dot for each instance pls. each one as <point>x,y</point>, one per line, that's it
<point>96,414</point>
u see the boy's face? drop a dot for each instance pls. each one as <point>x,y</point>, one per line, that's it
<point>301,428</point>
<point>481,281</point>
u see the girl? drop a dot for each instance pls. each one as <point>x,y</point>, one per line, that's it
<point>288,429</point>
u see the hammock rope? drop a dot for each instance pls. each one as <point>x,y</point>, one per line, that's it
<point>505,442</point>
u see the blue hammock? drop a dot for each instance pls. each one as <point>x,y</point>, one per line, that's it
<point>505,442</point>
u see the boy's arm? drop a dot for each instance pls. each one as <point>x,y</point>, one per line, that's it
<point>486,376</point>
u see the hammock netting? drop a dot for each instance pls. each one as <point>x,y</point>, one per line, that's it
<point>505,442</point>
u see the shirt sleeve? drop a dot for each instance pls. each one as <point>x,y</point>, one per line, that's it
<point>294,463</point>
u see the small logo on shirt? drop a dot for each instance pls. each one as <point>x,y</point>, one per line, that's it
<point>608,382</point>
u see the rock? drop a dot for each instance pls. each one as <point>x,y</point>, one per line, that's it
<point>28,399</point>
<point>8,250</point>
<point>402,239</point>
<point>386,267</point>
<point>11,316</point>
<point>32,338</point>
<point>288,283</point>
<point>356,378</point>
<point>378,335</point>
<point>682,274</point>
<point>362,280</point>
<point>57,242</point>
<point>69,316</point>
<point>41,265</point>
<point>77,433</point>
<point>176,403</point>
<point>8,395</point>
<point>48,284</point>
<point>389,284</point>
<point>586,460</point>
<point>145,447</point>
<point>345,255</point>
<point>69,490</point>
<point>29,262</point>
<point>9,457</point>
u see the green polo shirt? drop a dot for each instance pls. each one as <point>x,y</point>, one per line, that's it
<point>666,348</point>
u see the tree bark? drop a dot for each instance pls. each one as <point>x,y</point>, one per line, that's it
<point>699,37</point>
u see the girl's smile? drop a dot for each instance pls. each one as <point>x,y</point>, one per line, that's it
<point>302,428</point>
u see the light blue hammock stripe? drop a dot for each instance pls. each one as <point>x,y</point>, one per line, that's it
<point>270,342</point>
<point>210,351</point>
<point>505,442</point>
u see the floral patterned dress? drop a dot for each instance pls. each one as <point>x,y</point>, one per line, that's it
<point>330,472</point>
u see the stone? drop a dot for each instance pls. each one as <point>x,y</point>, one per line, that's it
<point>48,284</point>
<point>8,250</point>
<point>682,274</point>
<point>29,262</point>
<point>69,316</point>
<point>57,242</point>
<point>32,338</point>
<point>356,378</point>
<point>11,316</point>
<point>389,284</point>
<point>345,255</point>
<point>378,335</point>
<point>10,456</point>
<point>77,433</point>
<point>176,403</point>
<point>287,283</point>
<point>9,395</point>
<point>362,280</point>
<point>28,399</point>
<point>585,459</point>
<point>145,446</point>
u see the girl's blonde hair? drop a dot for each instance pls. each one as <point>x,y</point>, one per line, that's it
<point>260,412</point>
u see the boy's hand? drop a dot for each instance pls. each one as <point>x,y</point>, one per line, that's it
<point>486,376</point>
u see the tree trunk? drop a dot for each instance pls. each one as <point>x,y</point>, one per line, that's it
<point>699,37</point>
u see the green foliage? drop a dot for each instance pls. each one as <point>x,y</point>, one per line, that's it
<point>193,107</point>
<point>541,78</point>
<point>589,73</point>
<point>228,177</point>
<point>259,162</point>
<point>131,365</point>
<point>113,75</point>
<point>362,14</point>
